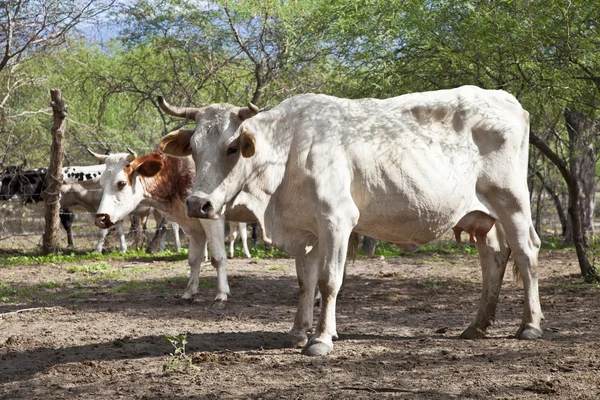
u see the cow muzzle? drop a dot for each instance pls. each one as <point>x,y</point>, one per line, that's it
<point>103,221</point>
<point>197,207</point>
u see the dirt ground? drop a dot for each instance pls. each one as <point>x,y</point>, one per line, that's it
<point>104,331</point>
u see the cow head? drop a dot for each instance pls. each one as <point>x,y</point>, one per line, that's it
<point>220,149</point>
<point>122,190</point>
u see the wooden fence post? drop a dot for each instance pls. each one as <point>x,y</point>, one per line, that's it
<point>51,193</point>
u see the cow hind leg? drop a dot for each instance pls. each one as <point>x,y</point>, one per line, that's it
<point>524,242</point>
<point>66,219</point>
<point>233,233</point>
<point>493,255</point>
<point>244,237</point>
<point>175,226</point>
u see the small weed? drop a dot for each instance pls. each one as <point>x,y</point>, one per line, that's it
<point>276,268</point>
<point>178,361</point>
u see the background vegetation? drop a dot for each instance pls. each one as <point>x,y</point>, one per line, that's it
<point>112,58</point>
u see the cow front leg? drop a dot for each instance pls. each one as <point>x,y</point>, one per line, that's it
<point>215,232</point>
<point>493,256</point>
<point>101,240</point>
<point>121,234</point>
<point>307,272</point>
<point>196,250</point>
<point>332,245</point>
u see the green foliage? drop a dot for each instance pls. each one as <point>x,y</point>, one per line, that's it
<point>388,250</point>
<point>593,254</point>
<point>74,257</point>
<point>261,251</point>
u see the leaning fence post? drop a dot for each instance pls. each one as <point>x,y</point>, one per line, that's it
<point>51,193</point>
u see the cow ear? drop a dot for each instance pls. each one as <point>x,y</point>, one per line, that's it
<point>177,143</point>
<point>248,112</point>
<point>149,167</point>
<point>247,144</point>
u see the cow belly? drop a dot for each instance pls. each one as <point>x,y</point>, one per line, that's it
<point>406,230</point>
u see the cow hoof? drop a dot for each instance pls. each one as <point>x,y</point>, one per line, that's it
<point>313,349</point>
<point>472,333</point>
<point>219,305</point>
<point>529,333</point>
<point>295,340</point>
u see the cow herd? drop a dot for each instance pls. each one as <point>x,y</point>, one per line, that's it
<point>315,168</point>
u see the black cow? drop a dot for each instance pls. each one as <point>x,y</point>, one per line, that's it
<point>29,185</point>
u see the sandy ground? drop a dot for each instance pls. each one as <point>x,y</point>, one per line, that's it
<point>104,333</point>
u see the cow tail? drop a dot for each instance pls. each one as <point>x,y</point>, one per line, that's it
<point>353,243</point>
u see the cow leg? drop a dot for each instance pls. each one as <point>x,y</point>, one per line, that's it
<point>215,232</point>
<point>307,272</point>
<point>196,251</point>
<point>244,236</point>
<point>163,241</point>
<point>101,240</point>
<point>254,234</point>
<point>233,231</point>
<point>525,244</point>
<point>175,226</point>
<point>493,255</point>
<point>121,233</point>
<point>334,233</point>
<point>66,219</point>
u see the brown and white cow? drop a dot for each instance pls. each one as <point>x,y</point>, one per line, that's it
<point>404,170</point>
<point>164,183</point>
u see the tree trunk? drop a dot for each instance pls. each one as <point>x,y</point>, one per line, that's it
<point>587,270</point>
<point>51,193</point>
<point>556,199</point>
<point>582,163</point>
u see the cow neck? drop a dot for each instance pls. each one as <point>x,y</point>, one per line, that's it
<point>257,195</point>
<point>173,183</point>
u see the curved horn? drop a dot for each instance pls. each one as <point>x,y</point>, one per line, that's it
<point>182,112</point>
<point>248,112</point>
<point>99,157</point>
<point>132,154</point>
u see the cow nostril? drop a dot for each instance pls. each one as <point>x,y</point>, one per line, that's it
<point>103,221</point>
<point>207,207</point>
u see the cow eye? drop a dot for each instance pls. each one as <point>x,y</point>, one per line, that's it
<point>121,184</point>
<point>232,150</point>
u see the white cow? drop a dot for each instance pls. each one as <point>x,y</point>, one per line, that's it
<point>235,229</point>
<point>163,183</point>
<point>404,170</point>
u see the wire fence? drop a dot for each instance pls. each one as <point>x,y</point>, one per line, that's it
<point>22,227</point>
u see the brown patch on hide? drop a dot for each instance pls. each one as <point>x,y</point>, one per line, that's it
<point>166,178</point>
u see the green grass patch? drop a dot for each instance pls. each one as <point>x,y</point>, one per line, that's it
<point>11,294</point>
<point>74,257</point>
